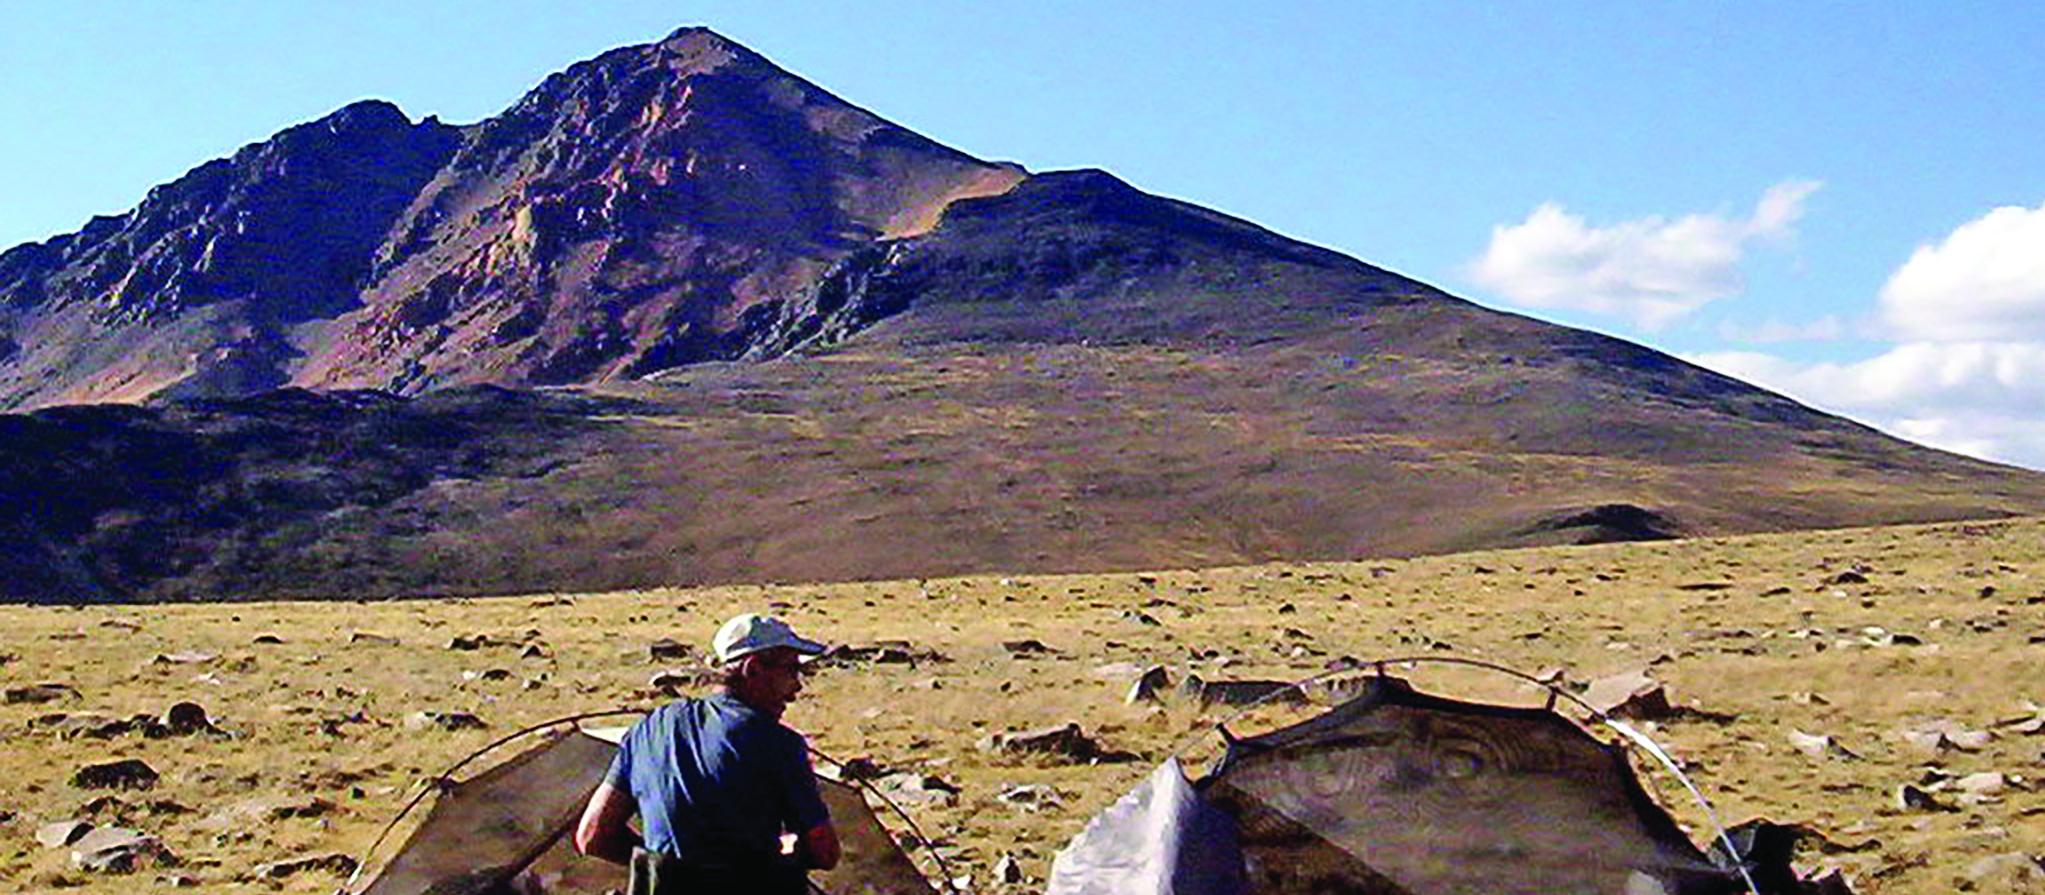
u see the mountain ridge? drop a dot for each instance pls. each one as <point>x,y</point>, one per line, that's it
<point>679,317</point>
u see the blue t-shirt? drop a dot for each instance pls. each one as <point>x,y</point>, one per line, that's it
<point>717,782</point>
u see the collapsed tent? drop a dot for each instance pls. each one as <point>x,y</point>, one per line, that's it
<point>507,831</point>
<point>1395,792</point>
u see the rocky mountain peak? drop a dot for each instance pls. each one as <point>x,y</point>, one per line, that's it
<point>695,49</point>
<point>627,212</point>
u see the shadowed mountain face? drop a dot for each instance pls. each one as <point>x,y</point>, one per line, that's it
<point>805,344</point>
<point>197,290</point>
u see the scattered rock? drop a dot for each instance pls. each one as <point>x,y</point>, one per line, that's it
<point>1030,796</point>
<point>1941,737</point>
<point>1026,648</point>
<point>183,658</point>
<point>1820,746</point>
<point>1910,797</point>
<point>104,808</point>
<point>861,767</point>
<point>1063,740</point>
<point>432,720</point>
<point>1631,694</point>
<point>90,725</point>
<point>667,650</point>
<point>267,639</point>
<point>1238,693</point>
<point>470,642</point>
<point>127,773</point>
<point>1850,576</point>
<point>119,850</point>
<point>335,863</point>
<point>62,833</point>
<point>674,681</point>
<point>1008,871</point>
<point>882,652</point>
<point>917,788</point>
<point>372,638</point>
<point>1986,783</point>
<point>1876,635</point>
<point>38,693</point>
<point>1149,686</point>
<point>2030,723</point>
<point>1832,883</point>
<point>187,718</point>
<point>487,675</point>
<point>1118,670</point>
<point>534,651</point>
<point>266,810</point>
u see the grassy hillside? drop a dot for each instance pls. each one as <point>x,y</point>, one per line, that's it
<point>1006,459</point>
<point>1770,630</point>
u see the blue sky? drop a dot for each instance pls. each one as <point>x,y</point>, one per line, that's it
<point>1841,201</point>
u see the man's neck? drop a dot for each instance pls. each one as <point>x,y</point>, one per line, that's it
<point>751,701</point>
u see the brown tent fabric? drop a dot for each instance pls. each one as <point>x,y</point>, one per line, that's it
<point>486,829</point>
<point>1396,792</point>
<point>506,831</point>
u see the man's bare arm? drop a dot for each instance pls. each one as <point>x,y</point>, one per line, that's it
<point>819,847</point>
<point>604,831</point>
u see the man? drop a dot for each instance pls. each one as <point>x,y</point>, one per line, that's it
<point>717,781</point>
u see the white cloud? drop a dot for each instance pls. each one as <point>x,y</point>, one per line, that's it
<point>1651,270</point>
<point>1985,280</point>
<point>1976,398</point>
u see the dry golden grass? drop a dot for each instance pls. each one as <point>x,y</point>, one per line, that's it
<point>1760,648</point>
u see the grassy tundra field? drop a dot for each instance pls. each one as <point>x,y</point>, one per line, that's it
<point>1862,635</point>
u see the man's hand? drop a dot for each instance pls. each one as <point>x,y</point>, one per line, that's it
<point>604,831</point>
<point>818,848</point>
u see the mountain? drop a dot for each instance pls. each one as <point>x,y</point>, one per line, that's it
<point>630,214</point>
<point>680,317</point>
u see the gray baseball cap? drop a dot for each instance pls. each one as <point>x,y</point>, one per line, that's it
<point>752,632</point>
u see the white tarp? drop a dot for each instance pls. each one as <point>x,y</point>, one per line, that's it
<point>1160,839</point>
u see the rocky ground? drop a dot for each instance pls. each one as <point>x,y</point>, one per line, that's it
<point>1917,651</point>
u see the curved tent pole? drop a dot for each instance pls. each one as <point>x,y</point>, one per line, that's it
<point>943,869</point>
<point>1629,733</point>
<point>444,778</point>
